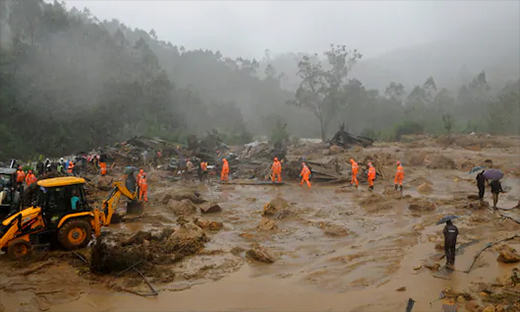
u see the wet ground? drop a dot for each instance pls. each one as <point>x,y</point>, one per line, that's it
<point>338,249</point>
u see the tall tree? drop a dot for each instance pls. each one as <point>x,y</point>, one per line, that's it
<point>321,91</point>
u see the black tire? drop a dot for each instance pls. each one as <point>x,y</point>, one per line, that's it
<point>74,234</point>
<point>19,249</point>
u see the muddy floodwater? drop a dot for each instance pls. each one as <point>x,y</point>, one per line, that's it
<point>335,248</point>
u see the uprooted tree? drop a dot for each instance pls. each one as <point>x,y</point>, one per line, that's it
<point>322,91</point>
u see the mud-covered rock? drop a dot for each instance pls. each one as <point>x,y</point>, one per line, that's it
<point>489,308</point>
<point>266,225</point>
<point>184,207</point>
<point>473,205</point>
<point>432,266</point>
<point>260,254</point>
<point>108,256</point>
<point>210,207</point>
<point>104,182</point>
<point>420,205</point>
<point>209,225</point>
<point>441,162</point>
<point>425,188</point>
<point>335,231</point>
<point>137,238</point>
<point>275,206</point>
<point>164,196</point>
<point>507,254</point>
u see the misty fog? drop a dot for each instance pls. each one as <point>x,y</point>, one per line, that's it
<point>87,73</point>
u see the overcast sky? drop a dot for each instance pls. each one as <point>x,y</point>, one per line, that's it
<point>247,28</point>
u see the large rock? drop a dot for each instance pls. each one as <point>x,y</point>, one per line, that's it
<point>425,188</point>
<point>441,162</point>
<point>507,254</point>
<point>266,225</point>
<point>260,254</point>
<point>138,238</point>
<point>275,207</point>
<point>183,207</point>
<point>209,225</point>
<point>421,205</point>
<point>104,183</point>
<point>210,208</point>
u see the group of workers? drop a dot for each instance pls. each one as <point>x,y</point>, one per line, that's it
<point>305,174</point>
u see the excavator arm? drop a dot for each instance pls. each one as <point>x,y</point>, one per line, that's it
<point>110,204</point>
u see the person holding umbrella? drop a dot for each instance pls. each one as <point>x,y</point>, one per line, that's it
<point>450,240</point>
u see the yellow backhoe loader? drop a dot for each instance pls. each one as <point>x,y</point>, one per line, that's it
<point>61,216</point>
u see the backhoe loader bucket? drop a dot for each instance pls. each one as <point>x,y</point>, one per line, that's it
<point>134,208</point>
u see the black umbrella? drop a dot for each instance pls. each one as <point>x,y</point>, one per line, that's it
<point>446,218</point>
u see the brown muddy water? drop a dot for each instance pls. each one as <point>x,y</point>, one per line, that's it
<point>339,249</point>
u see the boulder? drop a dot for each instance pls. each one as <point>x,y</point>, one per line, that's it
<point>138,238</point>
<point>421,205</point>
<point>275,207</point>
<point>260,254</point>
<point>507,254</point>
<point>266,225</point>
<point>210,208</point>
<point>183,207</point>
<point>425,188</point>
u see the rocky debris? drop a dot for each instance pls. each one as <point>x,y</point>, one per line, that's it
<point>421,205</point>
<point>402,288</point>
<point>209,225</point>
<point>104,183</point>
<point>432,266</point>
<point>109,256</point>
<point>473,197</point>
<point>210,207</point>
<point>345,139</point>
<point>163,196</point>
<point>277,207</point>
<point>507,254</point>
<point>473,205</point>
<point>266,225</point>
<point>137,238</point>
<point>441,162</point>
<point>425,189</point>
<point>182,208</point>
<point>260,254</point>
<point>332,230</point>
<point>334,150</point>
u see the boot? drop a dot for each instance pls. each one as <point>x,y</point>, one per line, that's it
<point>395,187</point>
<point>371,188</point>
<point>401,188</point>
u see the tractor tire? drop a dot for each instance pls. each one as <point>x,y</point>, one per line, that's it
<point>74,234</point>
<point>19,249</point>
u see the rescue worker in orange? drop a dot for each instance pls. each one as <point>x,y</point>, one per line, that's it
<point>20,177</point>
<point>203,171</point>
<point>355,170</point>
<point>70,168</point>
<point>399,176</point>
<point>224,175</point>
<point>371,176</point>
<point>30,178</point>
<point>141,173</point>
<point>276,169</point>
<point>103,163</point>
<point>305,175</point>
<point>143,187</point>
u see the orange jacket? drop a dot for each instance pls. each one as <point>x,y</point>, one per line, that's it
<point>355,168</point>
<point>399,174</point>
<point>276,167</point>
<point>20,176</point>
<point>71,167</point>
<point>305,173</point>
<point>30,179</point>
<point>372,173</point>
<point>142,183</point>
<point>204,166</point>
<point>225,166</point>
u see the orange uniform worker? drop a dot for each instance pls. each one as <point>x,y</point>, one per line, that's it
<point>30,178</point>
<point>20,175</point>
<point>355,170</point>
<point>70,168</point>
<point>276,169</point>
<point>305,174</point>
<point>143,187</point>
<point>399,176</point>
<point>140,174</point>
<point>224,175</point>
<point>371,176</point>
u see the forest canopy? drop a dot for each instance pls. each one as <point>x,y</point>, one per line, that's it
<point>70,82</point>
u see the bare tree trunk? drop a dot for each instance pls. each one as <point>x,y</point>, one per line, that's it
<point>323,129</point>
